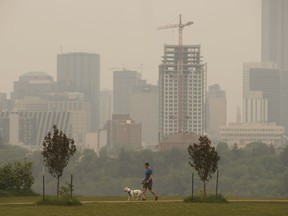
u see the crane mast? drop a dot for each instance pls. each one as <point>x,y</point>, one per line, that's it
<point>180,76</point>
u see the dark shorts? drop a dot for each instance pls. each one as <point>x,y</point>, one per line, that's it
<point>148,185</point>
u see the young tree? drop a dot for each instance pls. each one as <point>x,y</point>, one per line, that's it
<point>57,150</point>
<point>204,159</point>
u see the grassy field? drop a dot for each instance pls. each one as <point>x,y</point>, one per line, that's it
<point>141,208</point>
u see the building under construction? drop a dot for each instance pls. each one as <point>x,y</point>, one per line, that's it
<point>182,91</point>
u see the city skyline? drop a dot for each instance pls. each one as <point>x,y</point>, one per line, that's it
<point>130,40</point>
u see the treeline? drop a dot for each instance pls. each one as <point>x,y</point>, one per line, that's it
<point>257,170</point>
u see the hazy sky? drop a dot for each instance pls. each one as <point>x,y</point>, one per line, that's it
<point>124,32</point>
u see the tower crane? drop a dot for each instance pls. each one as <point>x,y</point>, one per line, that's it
<point>180,27</point>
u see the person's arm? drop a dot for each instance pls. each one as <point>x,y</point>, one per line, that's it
<point>150,177</point>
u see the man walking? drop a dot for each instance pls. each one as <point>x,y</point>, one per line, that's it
<point>148,183</point>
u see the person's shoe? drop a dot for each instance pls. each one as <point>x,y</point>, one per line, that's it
<point>156,198</point>
<point>143,199</point>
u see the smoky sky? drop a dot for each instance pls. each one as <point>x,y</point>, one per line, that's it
<point>124,34</point>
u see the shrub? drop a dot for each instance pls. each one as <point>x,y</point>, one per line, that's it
<point>206,199</point>
<point>16,177</point>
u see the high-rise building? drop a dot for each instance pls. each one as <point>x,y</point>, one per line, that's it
<point>216,110</point>
<point>38,84</point>
<point>122,84</point>
<point>182,93</point>
<point>144,109</point>
<point>264,93</point>
<point>106,99</point>
<point>80,72</point>
<point>275,32</point>
<point>5,103</point>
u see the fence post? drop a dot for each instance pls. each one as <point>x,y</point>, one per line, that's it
<point>71,186</point>
<point>217,181</point>
<point>192,185</point>
<point>43,181</point>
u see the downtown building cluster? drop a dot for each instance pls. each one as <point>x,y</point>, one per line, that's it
<point>137,114</point>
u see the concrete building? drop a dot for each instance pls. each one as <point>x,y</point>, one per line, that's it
<point>182,95</point>
<point>265,94</point>
<point>30,127</point>
<point>122,84</point>
<point>5,103</point>
<point>106,107</point>
<point>144,109</point>
<point>80,72</point>
<point>275,32</point>
<point>122,131</point>
<point>73,104</point>
<point>216,111</point>
<point>37,84</point>
<point>4,128</point>
<point>31,103</point>
<point>245,133</point>
<point>178,141</point>
<point>79,111</point>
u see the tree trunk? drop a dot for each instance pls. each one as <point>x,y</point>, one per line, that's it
<point>204,188</point>
<point>58,180</point>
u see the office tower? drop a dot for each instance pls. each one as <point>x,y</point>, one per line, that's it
<point>275,32</point>
<point>5,103</point>
<point>144,109</point>
<point>106,98</point>
<point>261,92</point>
<point>80,72</point>
<point>36,84</point>
<point>122,84</point>
<point>216,110</point>
<point>182,93</point>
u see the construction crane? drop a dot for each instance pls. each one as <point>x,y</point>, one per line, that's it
<point>180,27</point>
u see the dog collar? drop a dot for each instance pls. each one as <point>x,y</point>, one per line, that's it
<point>129,192</point>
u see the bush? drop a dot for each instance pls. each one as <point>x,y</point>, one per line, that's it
<point>16,177</point>
<point>59,201</point>
<point>206,199</point>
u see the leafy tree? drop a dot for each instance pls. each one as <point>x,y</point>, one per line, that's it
<point>16,176</point>
<point>204,159</point>
<point>57,150</point>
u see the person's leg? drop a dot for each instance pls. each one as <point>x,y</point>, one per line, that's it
<point>153,192</point>
<point>144,193</point>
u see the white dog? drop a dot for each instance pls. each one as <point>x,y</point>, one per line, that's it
<point>133,193</point>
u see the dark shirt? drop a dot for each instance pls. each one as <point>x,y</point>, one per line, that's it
<point>148,173</point>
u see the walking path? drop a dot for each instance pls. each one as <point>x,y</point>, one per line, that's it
<point>161,201</point>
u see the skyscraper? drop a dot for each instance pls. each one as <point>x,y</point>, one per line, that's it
<point>182,95</point>
<point>34,83</point>
<point>265,97</point>
<point>80,72</point>
<point>275,32</point>
<point>144,109</point>
<point>122,84</point>
<point>216,110</point>
<point>106,98</point>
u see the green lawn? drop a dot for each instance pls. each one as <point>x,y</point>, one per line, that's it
<point>144,208</point>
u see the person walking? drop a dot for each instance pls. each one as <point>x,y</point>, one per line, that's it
<point>148,182</point>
